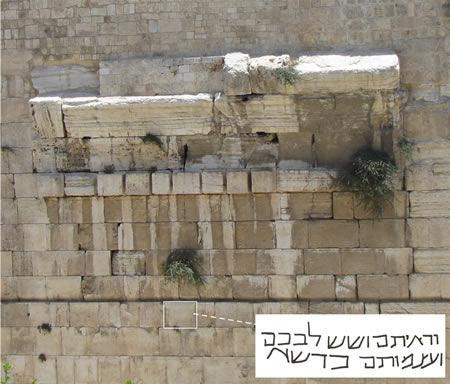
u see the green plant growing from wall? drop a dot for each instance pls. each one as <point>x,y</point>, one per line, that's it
<point>152,139</point>
<point>7,148</point>
<point>6,374</point>
<point>286,75</point>
<point>45,328</point>
<point>130,382</point>
<point>370,174</point>
<point>109,168</point>
<point>183,265</point>
<point>406,146</point>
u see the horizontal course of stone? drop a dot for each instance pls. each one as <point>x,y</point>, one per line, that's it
<point>312,74</point>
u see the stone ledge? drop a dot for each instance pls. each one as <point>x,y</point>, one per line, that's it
<point>123,116</point>
<point>316,73</point>
<point>166,182</point>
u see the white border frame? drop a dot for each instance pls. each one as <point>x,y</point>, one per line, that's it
<point>180,301</point>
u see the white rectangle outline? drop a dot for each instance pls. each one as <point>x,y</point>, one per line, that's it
<point>180,301</point>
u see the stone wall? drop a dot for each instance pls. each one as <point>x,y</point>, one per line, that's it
<point>82,249</point>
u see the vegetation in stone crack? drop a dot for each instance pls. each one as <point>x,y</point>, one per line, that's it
<point>183,265</point>
<point>42,357</point>
<point>45,328</point>
<point>405,146</point>
<point>6,373</point>
<point>7,376</point>
<point>130,382</point>
<point>7,148</point>
<point>152,139</point>
<point>370,174</point>
<point>286,75</point>
<point>109,168</point>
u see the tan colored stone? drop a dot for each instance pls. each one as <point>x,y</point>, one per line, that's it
<point>138,115</point>
<point>63,288</point>
<point>362,261</point>
<point>316,287</point>
<point>304,180</point>
<point>382,233</point>
<point>213,182</point>
<point>128,263</point>
<point>395,209</point>
<point>255,234</point>
<point>336,308</point>
<point>64,237</point>
<point>95,288</point>
<point>425,287</point>
<point>161,183</point>
<point>280,262</point>
<point>432,260</point>
<point>180,314</point>
<point>307,206</point>
<point>322,261</point>
<point>6,263</point>
<point>430,204</point>
<point>157,287</point>
<point>343,205</point>
<point>9,211</point>
<point>110,184</point>
<point>282,288</point>
<point>263,181</point>
<point>336,233</point>
<point>250,287</point>
<point>325,73</point>
<point>50,185</point>
<point>238,182</point>
<point>398,261</point>
<point>37,237</point>
<point>80,184</point>
<point>47,115</point>
<point>137,183</point>
<point>186,182</point>
<point>222,288</point>
<point>427,177</point>
<point>236,76</point>
<point>428,233</point>
<point>7,182</point>
<point>382,287</point>
<point>346,288</point>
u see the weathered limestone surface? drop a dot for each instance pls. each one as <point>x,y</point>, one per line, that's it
<point>80,184</point>
<point>138,116</point>
<point>47,115</point>
<point>236,75</point>
<point>334,73</point>
<point>65,80</point>
<point>161,76</point>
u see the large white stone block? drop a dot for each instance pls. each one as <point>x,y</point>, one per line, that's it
<point>47,116</point>
<point>236,75</point>
<point>305,180</point>
<point>186,183</point>
<point>110,184</point>
<point>50,185</point>
<point>331,73</point>
<point>80,184</point>
<point>138,115</point>
<point>137,183</point>
<point>161,183</point>
<point>65,79</point>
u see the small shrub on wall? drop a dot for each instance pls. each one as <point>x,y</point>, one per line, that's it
<point>370,174</point>
<point>183,264</point>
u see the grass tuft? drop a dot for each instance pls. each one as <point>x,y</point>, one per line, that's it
<point>370,174</point>
<point>183,264</point>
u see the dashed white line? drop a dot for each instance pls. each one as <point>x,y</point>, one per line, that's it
<point>224,319</point>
